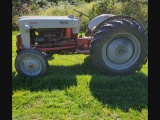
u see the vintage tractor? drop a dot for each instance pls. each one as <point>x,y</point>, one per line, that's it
<point>118,45</point>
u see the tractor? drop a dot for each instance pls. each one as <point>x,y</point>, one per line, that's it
<point>117,44</point>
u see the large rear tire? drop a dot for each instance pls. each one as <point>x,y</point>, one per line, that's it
<point>31,63</point>
<point>119,47</point>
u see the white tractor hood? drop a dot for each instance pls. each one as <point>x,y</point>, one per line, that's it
<point>49,21</point>
<point>26,23</point>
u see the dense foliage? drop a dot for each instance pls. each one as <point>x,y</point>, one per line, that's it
<point>135,8</point>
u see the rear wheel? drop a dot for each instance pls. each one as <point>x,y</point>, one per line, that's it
<point>119,47</point>
<point>31,63</point>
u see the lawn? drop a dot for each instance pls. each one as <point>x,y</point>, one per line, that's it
<point>73,90</point>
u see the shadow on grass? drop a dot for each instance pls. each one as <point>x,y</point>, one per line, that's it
<point>123,92</point>
<point>57,77</point>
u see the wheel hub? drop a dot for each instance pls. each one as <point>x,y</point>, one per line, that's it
<point>31,66</point>
<point>120,50</point>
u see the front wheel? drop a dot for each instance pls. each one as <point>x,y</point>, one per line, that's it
<point>31,63</point>
<point>119,47</point>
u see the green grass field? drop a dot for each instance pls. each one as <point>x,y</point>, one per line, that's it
<point>73,90</point>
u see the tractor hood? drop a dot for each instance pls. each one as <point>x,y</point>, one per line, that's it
<point>49,21</point>
<point>26,23</point>
<point>97,20</point>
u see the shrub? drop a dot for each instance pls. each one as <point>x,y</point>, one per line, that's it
<point>137,10</point>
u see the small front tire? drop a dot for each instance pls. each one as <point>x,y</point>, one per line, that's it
<point>31,63</point>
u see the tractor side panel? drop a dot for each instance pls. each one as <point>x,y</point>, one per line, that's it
<point>83,43</point>
<point>25,35</point>
<point>19,43</point>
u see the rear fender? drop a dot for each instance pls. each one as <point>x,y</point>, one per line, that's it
<point>118,17</point>
<point>96,21</point>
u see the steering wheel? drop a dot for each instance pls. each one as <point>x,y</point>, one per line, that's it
<point>81,13</point>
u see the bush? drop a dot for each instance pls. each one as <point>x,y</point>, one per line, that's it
<point>137,10</point>
<point>65,9</point>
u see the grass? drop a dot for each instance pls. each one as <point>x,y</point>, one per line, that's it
<point>73,90</point>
